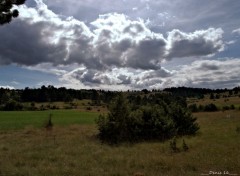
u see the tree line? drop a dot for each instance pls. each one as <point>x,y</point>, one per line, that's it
<point>200,92</point>
<point>12,99</point>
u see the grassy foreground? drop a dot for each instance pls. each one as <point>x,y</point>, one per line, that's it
<point>73,150</point>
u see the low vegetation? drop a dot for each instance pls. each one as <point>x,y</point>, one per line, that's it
<point>52,131</point>
<point>160,121</point>
<point>76,151</point>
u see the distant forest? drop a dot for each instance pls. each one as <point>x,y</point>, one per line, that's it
<point>53,94</point>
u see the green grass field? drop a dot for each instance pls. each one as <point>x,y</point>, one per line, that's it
<point>21,119</point>
<point>72,149</point>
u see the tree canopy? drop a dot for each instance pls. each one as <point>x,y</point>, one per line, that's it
<point>6,11</point>
<point>165,118</point>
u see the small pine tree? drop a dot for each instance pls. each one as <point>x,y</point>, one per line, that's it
<point>238,129</point>
<point>173,145</point>
<point>49,123</point>
<point>212,96</point>
<point>184,146</point>
<point>113,128</point>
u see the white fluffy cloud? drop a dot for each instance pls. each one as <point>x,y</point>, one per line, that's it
<point>236,31</point>
<point>207,73</point>
<point>7,87</point>
<point>111,50</point>
<point>203,73</point>
<point>42,36</point>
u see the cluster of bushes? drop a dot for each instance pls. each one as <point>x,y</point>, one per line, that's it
<point>13,105</point>
<point>175,148</point>
<point>150,122</point>
<point>231,107</point>
<point>209,108</point>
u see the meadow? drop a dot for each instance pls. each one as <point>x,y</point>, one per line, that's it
<point>21,119</point>
<point>72,148</point>
<point>218,102</point>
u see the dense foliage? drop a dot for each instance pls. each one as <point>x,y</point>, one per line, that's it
<point>52,94</point>
<point>161,121</point>
<point>137,99</point>
<point>199,92</point>
<point>6,14</point>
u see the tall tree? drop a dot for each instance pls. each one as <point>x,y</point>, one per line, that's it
<point>6,12</point>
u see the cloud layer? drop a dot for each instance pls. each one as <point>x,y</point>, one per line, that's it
<point>113,40</point>
<point>112,50</point>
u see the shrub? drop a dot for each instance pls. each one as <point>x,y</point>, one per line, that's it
<point>210,108</point>
<point>173,145</point>
<point>12,106</point>
<point>155,122</point>
<point>89,108</point>
<point>49,124</point>
<point>225,108</point>
<point>113,128</point>
<point>42,108</point>
<point>193,108</point>
<point>184,146</point>
<point>238,130</point>
<point>184,122</point>
<point>200,108</point>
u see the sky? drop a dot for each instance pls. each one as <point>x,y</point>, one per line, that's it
<point>122,45</point>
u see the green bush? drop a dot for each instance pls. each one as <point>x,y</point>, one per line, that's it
<point>12,105</point>
<point>114,127</point>
<point>224,108</point>
<point>173,145</point>
<point>210,108</point>
<point>155,122</point>
<point>184,146</point>
<point>193,108</point>
<point>184,122</point>
<point>238,129</point>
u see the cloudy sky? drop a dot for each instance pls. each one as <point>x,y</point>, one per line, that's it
<point>121,44</point>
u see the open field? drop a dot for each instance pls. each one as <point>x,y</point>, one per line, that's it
<point>218,102</point>
<point>21,119</point>
<point>82,105</point>
<point>73,149</point>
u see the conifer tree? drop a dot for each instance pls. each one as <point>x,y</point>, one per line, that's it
<point>184,146</point>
